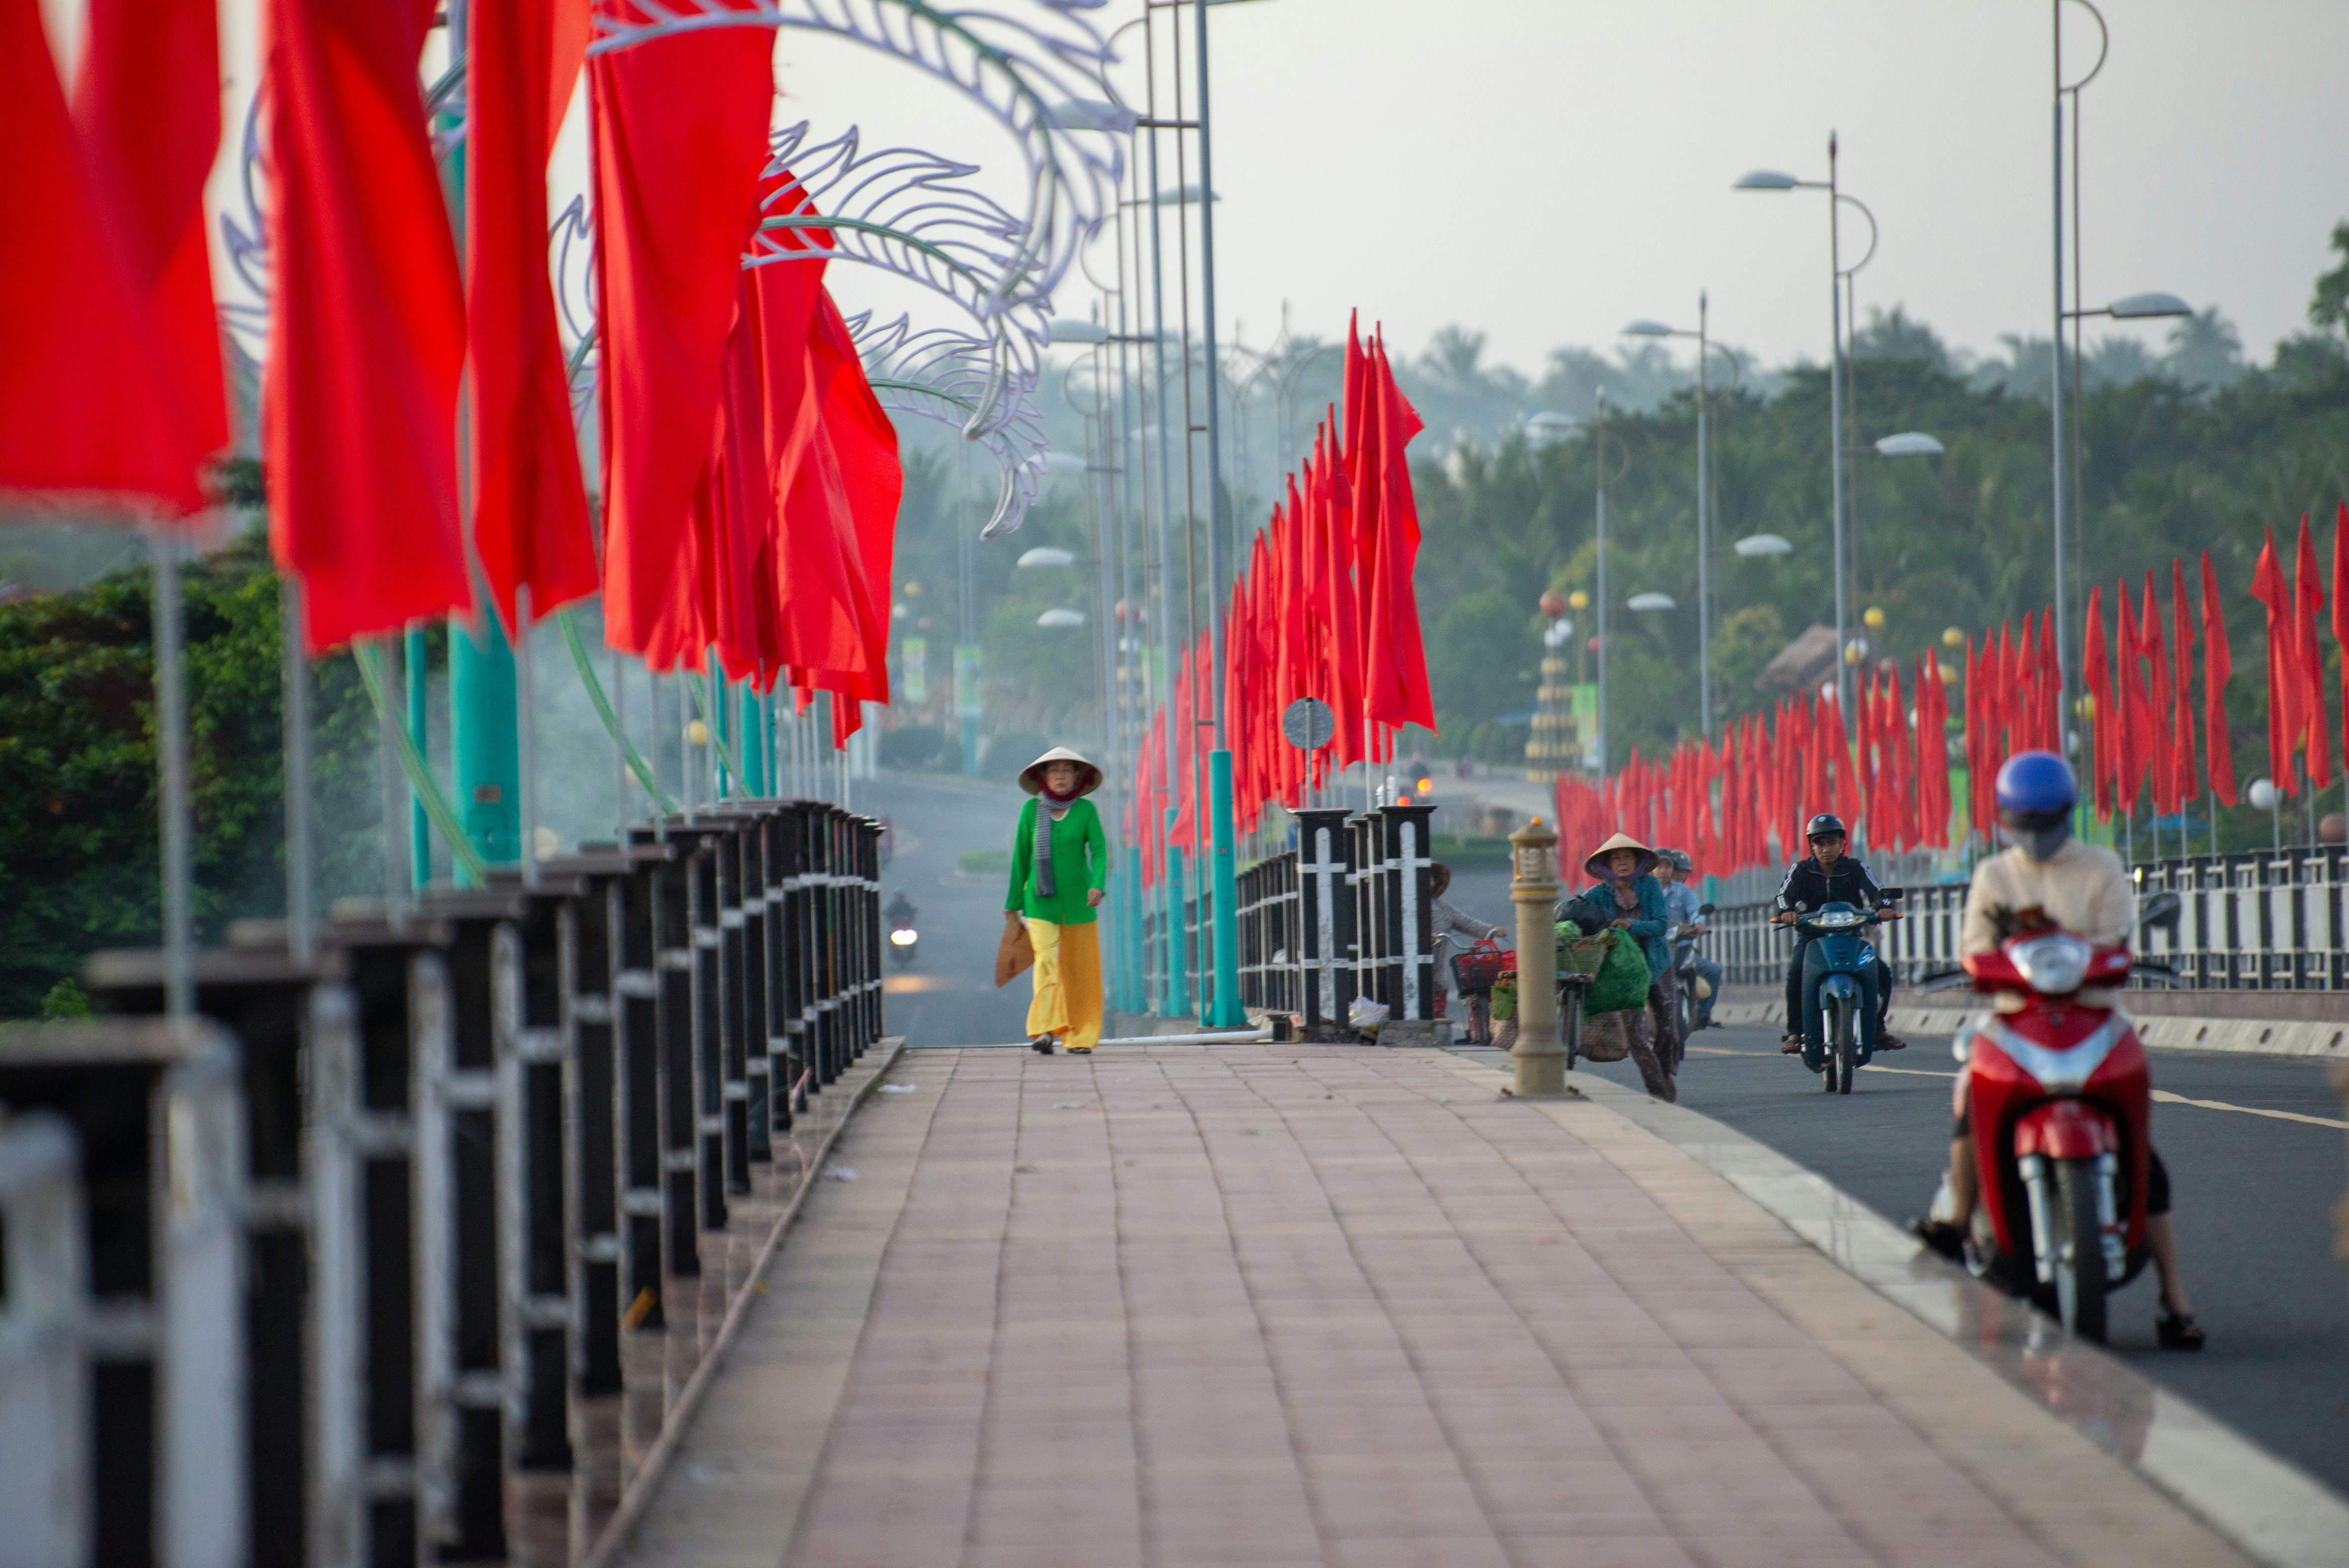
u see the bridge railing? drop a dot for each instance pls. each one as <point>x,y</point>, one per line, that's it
<point>2262,920</point>
<point>377,1255</point>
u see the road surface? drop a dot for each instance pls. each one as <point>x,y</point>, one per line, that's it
<point>2253,1195</point>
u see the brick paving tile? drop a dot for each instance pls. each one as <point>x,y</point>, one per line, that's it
<point>1270,1306</point>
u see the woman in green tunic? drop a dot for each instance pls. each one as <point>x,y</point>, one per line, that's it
<point>1060,866</point>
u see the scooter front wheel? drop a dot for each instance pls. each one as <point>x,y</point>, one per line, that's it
<point>2079,1249</point>
<point>1843,1049</point>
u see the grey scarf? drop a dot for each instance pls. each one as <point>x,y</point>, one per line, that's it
<point>1047,813</point>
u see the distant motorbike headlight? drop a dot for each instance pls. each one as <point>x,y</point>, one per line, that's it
<point>903,936</point>
<point>1838,920</point>
<point>2053,966</point>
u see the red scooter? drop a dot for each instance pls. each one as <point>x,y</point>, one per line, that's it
<point>2062,1100</point>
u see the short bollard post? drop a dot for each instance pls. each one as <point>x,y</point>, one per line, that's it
<point>1539,1055</point>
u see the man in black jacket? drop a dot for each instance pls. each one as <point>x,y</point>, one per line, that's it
<point>1827,875</point>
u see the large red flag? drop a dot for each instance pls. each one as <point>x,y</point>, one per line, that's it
<point>90,397</point>
<point>2340,613</point>
<point>1394,664</point>
<point>1933,754</point>
<point>2181,652</point>
<point>2218,668</point>
<point>839,523</point>
<point>2136,743</point>
<point>681,136</point>
<point>2308,597</point>
<point>2285,681</point>
<point>2051,686</point>
<point>366,325</point>
<point>2160,720</point>
<point>530,503</point>
<point>2096,674</point>
<point>1339,600</point>
<point>147,107</point>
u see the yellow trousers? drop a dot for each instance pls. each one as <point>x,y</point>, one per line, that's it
<point>1068,1000</point>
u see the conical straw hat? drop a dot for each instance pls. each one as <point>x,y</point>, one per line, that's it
<point>1032,778</point>
<point>1597,864</point>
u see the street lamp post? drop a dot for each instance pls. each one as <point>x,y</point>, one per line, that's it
<point>1704,345</point>
<point>1771,180</point>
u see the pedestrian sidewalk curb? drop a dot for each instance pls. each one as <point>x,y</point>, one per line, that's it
<point>2325,1040</point>
<point>617,1536</point>
<point>2274,1511</point>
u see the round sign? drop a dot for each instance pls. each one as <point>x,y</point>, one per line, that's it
<point>1308,723</point>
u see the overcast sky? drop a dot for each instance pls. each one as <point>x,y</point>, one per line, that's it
<point>1544,170</point>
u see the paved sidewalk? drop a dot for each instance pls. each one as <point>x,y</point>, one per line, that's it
<point>1274,1305</point>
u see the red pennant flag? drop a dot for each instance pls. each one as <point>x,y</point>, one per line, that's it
<point>2163,743</point>
<point>2137,743</point>
<point>2182,711</point>
<point>90,398</point>
<point>2340,613</point>
<point>1394,664</point>
<point>2218,668</point>
<point>2097,675</point>
<point>148,107</point>
<point>530,503</point>
<point>362,466</point>
<point>681,136</point>
<point>2285,681</point>
<point>2308,594</point>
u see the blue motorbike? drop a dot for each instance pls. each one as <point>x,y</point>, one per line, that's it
<point>1839,1001</point>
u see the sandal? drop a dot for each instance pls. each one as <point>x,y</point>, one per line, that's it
<point>1942,1237</point>
<point>2178,1331</point>
<point>1885,1040</point>
<point>1792,1045</point>
<point>1042,1045</point>
<point>1080,1050</point>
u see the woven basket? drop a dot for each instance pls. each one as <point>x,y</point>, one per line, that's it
<point>1606,1036</point>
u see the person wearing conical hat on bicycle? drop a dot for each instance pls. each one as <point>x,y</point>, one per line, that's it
<point>1059,869</point>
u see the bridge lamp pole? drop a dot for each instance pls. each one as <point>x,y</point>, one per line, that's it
<point>1771,180</point>
<point>1704,345</point>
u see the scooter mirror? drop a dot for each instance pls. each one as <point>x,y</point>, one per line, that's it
<point>1892,894</point>
<point>1705,908</point>
<point>2162,909</point>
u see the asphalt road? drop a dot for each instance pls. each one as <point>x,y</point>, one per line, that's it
<point>2252,1195</point>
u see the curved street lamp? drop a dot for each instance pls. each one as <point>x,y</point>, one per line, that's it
<point>1837,273</point>
<point>1645,327</point>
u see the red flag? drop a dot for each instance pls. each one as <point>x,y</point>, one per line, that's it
<point>2218,668</point>
<point>2136,708</point>
<point>1933,754</point>
<point>2340,613</point>
<point>838,522</point>
<point>148,107</point>
<point>2285,681</point>
<point>2182,711</point>
<point>2159,721</point>
<point>89,396</point>
<point>366,325</point>
<point>1338,598</point>
<point>2096,674</point>
<point>1394,664</point>
<point>2308,594</point>
<point>681,136</point>
<point>2051,686</point>
<point>530,503</point>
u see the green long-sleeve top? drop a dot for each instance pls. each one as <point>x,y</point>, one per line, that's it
<point>1079,864</point>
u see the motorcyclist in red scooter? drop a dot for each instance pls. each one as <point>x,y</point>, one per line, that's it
<point>2048,879</point>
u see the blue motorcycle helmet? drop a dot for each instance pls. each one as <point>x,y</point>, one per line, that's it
<point>2036,793</point>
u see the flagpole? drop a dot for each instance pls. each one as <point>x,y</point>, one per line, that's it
<point>1226,1010</point>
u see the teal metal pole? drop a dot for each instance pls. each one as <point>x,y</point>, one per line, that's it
<point>1137,958</point>
<point>485,742</point>
<point>1178,986</point>
<point>720,719</point>
<point>1223,1009</point>
<point>419,827</point>
<point>754,745</point>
